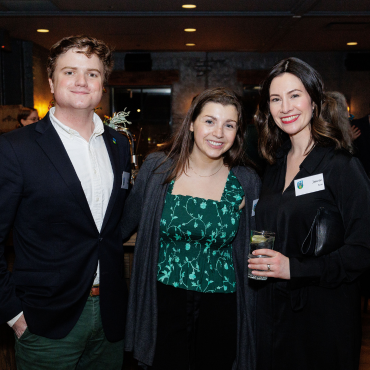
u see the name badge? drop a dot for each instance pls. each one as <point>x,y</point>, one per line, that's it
<point>309,184</point>
<point>125,180</point>
<point>254,205</point>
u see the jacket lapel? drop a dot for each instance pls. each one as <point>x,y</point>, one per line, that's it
<point>113,153</point>
<point>53,147</point>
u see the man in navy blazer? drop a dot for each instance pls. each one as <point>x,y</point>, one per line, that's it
<point>63,184</point>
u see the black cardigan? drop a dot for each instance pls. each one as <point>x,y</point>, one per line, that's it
<point>143,209</point>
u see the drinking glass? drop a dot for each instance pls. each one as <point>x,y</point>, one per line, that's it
<point>260,240</point>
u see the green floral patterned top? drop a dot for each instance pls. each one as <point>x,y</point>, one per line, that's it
<point>195,240</point>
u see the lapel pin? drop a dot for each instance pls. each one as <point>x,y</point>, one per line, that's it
<point>114,141</point>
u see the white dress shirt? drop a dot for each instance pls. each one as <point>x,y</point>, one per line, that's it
<point>91,162</point>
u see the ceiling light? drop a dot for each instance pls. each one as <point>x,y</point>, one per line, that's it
<point>351,43</point>
<point>42,30</point>
<point>189,29</point>
<point>190,44</point>
<point>189,6</point>
<point>138,110</point>
<point>297,16</point>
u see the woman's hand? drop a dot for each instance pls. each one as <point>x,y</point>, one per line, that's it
<point>355,132</point>
<point>279,264</point>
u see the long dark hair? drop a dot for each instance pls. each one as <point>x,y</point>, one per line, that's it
<point>270,135</point>
<point>180,146</point>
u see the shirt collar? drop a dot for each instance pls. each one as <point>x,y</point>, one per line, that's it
<point>312,160</point>
<point>98,124</point>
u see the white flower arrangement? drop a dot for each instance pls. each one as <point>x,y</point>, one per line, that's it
<point>118,120</point>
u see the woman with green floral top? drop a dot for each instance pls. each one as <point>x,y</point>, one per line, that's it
<point>187,306</point>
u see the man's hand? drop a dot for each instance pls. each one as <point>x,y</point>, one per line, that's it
<point>20,326</point>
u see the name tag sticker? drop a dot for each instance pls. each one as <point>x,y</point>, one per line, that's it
<point>254,205</point>
<point>309,184</point>
<point>125,180</point>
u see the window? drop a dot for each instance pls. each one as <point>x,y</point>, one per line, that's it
<point>150,114</point>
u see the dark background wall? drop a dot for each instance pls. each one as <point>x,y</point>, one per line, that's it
<point>16,73</point>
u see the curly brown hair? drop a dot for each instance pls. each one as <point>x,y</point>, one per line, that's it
<point>87,45</point>
<point>271,137</point>
<point>180,146</point>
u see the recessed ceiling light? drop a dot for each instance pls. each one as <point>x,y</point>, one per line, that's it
<point>189,29</point>
<point>190,44</point>
<point>189,6</point>
<point>297,16</point>
<point>351,43</point>
<point>42,30</point>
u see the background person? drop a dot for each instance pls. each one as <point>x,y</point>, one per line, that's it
<point>334,110</point>
<point>192,202</point>
<point>308,313</point>
<point>362,142</point>
<point>61,190</point>
<point>26,116</point>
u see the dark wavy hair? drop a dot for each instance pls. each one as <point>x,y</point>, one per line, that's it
<point>271,137</point>
<point>87,45</point>
<point>180,146</point>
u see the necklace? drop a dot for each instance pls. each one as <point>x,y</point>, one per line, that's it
<point>207,175</point>
<point>312,148</point>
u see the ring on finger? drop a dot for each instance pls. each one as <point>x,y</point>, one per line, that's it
<point>268,267</point>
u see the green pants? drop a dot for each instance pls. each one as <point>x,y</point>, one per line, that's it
<point>85,347</point>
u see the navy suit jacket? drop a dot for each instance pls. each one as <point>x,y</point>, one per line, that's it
<point>56,242</point>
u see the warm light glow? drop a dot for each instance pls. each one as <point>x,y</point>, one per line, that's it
<point>189,29</point>
<point>139,110</point>
<point>42,108</point>
<point>348,108</point>
<point>42,30</point>
<point>257,88</point>
<point>2,46</point>
<point>351,43</point>
<point>189,6</point>
<point>190,44</point>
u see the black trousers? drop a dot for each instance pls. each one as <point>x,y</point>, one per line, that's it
<point>195,330</point>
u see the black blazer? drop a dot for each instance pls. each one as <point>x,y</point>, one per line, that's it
<point>56,242</point>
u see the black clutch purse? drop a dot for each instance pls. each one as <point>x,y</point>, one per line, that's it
<point>326,234</point>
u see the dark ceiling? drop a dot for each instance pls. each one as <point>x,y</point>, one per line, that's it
<point>227,25</point>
